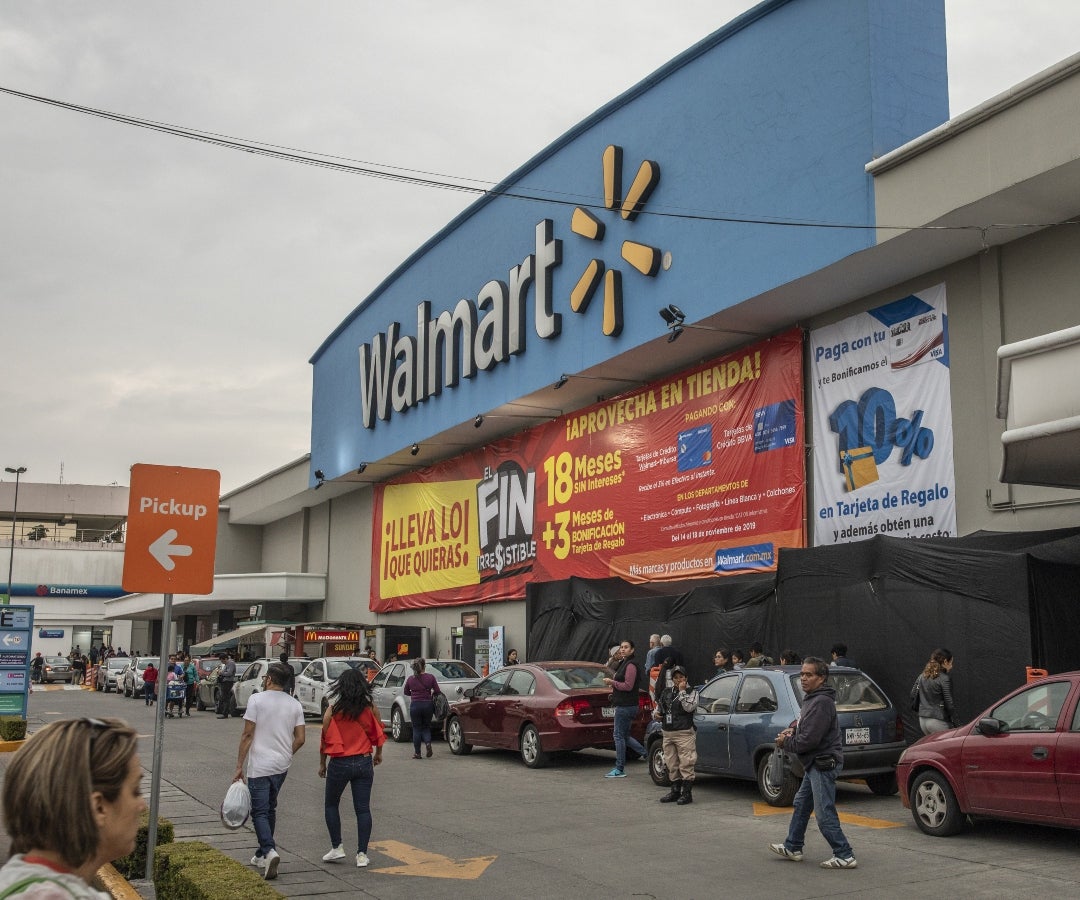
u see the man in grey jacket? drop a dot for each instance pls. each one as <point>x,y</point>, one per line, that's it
<point>815,739</point>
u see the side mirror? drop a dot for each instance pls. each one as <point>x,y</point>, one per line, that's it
<point>470,693</point>
<point>991,727</point>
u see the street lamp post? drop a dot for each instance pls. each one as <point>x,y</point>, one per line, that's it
<point>14,513</point>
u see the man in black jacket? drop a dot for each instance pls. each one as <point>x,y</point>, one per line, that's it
<point>815,739</point>
<point>675,713</point>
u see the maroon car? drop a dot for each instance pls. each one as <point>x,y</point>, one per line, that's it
<point>1020,760</point>
<point>538,709</point>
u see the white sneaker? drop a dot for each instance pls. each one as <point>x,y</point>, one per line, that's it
<point>333,853</point>
<point>257,861</point>
<point>272,860</point>
<point>362,860</point>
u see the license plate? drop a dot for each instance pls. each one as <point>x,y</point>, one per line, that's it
<point>856,735</point>
<point>608,712</point>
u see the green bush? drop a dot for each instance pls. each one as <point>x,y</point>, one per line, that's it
<point>134,864</point>
<point>193,870</point>
<point>12,728</point>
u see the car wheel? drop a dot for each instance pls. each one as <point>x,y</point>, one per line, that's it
<point>657,767</point>
<point>781,796</point>
<point>531,752</point>
<point>399,731</point>
<point>933,805</point>
<point>199,705</point>
<point>456,738</point>
<point>884,785</point>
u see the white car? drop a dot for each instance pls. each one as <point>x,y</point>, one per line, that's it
<point>251,681</point>
<point>319,674</point>
<point>454,677</point>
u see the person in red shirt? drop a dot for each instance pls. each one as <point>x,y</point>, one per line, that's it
<point>352,740</point>
<point>149,678</point>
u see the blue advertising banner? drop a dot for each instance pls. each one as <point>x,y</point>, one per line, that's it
<point>883,446</point>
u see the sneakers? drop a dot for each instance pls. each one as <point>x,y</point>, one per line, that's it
<point>362,860</point>
<point>782,850</point>
<point>272,860</point>
<point>616,773</point>
<point>257,861</point>
<point>429,751</point>
<point>416,756</point>
<point>838,862</point>
<point>333,853</point>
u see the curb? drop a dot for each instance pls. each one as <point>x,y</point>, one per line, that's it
<point>116,884</point>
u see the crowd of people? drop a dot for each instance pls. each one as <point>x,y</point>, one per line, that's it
<point>93,761</point>
<point>813,739</point>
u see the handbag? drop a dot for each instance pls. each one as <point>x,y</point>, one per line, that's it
<point>774,774</point>
<point>236,807</point>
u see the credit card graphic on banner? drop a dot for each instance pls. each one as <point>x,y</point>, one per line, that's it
<point>883,447</point>
<point>701,474</point>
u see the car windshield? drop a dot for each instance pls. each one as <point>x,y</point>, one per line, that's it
<point>335,667</point>
<point>571,678</point>
<point>143,663</point>
<point>56,660</point>
<point>452,668</point>
<point>117,664</point>
<point>854,692</point>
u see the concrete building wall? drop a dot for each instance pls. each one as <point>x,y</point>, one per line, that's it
<point>283,543</point>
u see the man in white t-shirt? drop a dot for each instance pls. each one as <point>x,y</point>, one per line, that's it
<point>273,732</point>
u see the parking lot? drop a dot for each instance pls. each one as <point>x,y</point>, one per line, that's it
<point>483,825</point>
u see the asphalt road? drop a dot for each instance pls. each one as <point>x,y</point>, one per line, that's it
<point>485,826</point>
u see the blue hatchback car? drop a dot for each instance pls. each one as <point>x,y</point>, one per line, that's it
<point>740,713</point>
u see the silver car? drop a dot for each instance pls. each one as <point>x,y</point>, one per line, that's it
<point>108,674</point>
<point>131,679</point>
<point>454,677</point>
<point>317,676</point>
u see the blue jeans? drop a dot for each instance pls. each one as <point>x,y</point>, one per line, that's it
<point>358,771</point>
<point>264,792</point>
<point>624,717</point>
<point>421,711</point>
<point>817,794</point>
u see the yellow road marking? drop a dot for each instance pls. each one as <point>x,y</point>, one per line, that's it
<point>763,809</point>
<point>423,864</point>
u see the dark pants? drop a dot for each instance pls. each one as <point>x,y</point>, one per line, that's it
<point>359,773</point>
<point>224,696</point>
<point>421,711</point>
<point>190,699</point>
<point>264,793</point>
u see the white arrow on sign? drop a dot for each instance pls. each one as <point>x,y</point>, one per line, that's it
<point>163,550</point>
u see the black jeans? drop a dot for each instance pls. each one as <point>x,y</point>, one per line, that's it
<point>224,696</point>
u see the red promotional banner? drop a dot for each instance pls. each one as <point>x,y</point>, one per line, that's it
<point>700,474</point>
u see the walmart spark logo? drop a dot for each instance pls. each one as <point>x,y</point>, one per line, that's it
<point>642,257</point>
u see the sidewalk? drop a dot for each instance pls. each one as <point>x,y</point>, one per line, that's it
<point>193,820</point>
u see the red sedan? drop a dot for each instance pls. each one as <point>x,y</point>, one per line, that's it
<point>538,709</point>
<point>1020,760</point>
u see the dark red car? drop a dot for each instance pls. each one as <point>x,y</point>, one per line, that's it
<point>538,709</point>
<point>1019,760</point>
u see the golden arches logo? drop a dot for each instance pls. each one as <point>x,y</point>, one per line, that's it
<point>642,257</point>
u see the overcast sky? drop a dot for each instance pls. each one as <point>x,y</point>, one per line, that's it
<point>160,298</point>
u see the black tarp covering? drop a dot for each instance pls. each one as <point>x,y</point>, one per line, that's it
<point>999,601</point>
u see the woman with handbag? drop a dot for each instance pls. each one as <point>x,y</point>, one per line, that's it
<point>421,688</point>
<point>352,739</point>
<point>931,695</point>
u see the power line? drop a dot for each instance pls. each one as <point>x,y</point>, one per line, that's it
<point>475,186</point>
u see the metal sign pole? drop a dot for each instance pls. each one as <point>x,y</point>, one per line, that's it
<point>159,737</point>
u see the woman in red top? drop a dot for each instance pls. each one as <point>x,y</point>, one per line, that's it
<point>352,738</point>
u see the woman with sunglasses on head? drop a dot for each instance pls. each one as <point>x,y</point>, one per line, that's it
<point>352,739</point>
<point>72,801</point>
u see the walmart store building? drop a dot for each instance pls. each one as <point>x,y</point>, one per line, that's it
<point>771,297</point>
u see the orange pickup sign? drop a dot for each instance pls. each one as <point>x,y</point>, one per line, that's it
<point>171,530</point>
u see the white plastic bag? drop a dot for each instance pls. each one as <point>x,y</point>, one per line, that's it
<point>236,807</point>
